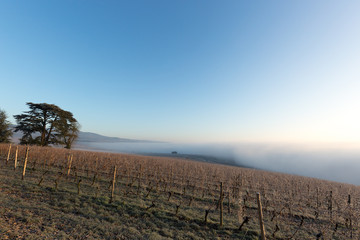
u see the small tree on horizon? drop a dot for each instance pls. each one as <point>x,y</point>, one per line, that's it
<point>47,124</point>
<point>5,128</point>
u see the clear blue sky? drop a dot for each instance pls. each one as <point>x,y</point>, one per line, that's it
<point>189,71</point>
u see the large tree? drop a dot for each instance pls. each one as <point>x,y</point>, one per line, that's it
<point>5,128</point>
<point>47,124</point>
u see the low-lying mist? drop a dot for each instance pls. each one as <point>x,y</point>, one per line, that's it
<point>336,162</point>
<point>327,161</point>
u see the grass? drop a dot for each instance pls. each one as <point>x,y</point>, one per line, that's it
<point>30,211</point>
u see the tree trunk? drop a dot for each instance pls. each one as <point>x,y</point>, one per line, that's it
<point>43,133</point>
<point>49,133</point>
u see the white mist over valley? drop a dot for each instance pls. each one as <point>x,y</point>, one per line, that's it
<point>336,162</point>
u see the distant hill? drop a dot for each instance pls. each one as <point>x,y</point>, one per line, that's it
<point>87,137</point>
<point>94,137</point>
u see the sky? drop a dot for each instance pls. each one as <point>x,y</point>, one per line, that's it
<point>188,71</point>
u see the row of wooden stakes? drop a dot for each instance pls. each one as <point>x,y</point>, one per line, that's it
<point>16,158</point>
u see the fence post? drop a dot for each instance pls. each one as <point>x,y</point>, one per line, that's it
<point>70,158</point>
<point>229,202</point>
<point>330,204</point>
<point>16,155</point>
<point>26,159</point>
<point>8,156</point>
<point>261,220</point>
<point>113,185</point>
<point>221,204</point>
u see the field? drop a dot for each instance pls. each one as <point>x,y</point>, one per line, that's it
<point>89,195</point>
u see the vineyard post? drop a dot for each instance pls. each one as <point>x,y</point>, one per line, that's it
<point>16,155</point>
<point>317,204</point>
<point>70,158</point>
<point>8,156</point>
<point>350,216</point>
<point>261,220</point>
<point>317,198</point>
<point>330,204</point>
<point>139,180</point>
<point>113,185</point>
<point>78,186</point>
<point>44,163</point>
<point>171,176</point>
<point>221,204</point>
<point>57,181</point>
<point>25,162</point>
<point>229,202</point>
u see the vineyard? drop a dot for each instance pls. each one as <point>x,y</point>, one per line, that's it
<point>52,193</point>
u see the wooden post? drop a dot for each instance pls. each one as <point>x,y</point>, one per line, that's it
<point>113,185</point>
<point>70,158</point>
<point>57,181</point>
<point>26,159</point>
<point>317,198</point>
<point>139,181</point>
<point>8,156</point>
<point>16,155</point>
<point>78,186</point>
<point>350,216</point>
<point>330,204</point>
<point>221,204</point>
<point>261,220</point>
<point>94,179</point>
<point>229,203</point>
<point>171,175</point>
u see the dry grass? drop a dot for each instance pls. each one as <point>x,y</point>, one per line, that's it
<point>163,198</point>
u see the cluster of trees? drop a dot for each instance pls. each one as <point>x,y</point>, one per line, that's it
<point>44,124</point>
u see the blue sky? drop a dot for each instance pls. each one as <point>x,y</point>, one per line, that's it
<point>188,71</point>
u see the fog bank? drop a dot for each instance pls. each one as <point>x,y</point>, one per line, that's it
<point>336,162</point>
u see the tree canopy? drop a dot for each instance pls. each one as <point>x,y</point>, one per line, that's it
<point>46,124</point>
<point>5,128</point>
